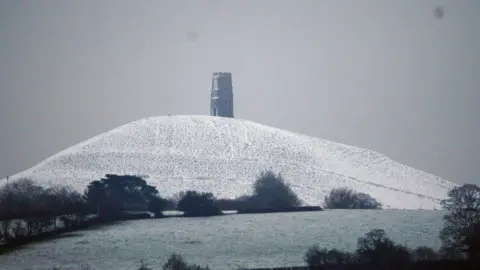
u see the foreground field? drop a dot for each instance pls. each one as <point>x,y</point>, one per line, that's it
<point>225,242</point>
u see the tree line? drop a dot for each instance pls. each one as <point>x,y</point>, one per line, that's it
<point>28,209</point>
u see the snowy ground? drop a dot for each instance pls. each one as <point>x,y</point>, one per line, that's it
<point>225,242</point>
<point>224,155</point>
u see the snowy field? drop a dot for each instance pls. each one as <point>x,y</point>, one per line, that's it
<point>226,242</point>
<point>224,156</point>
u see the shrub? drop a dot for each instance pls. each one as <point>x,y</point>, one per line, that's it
<point>424,254</point>
<point>195,203</point>
<point>316,257</point>
<point>345,198</point>
<point>376,248</point>
<point>176,262</point>
<point>271,191</point>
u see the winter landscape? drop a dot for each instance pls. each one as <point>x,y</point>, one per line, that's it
<point>253,135</point>
<point>224,156</point>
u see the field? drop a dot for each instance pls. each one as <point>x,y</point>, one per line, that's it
<point>226,242</point>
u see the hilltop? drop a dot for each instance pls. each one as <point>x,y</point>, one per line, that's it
<point>224,155</point>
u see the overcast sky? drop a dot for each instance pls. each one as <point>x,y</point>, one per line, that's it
<point>379,74</point>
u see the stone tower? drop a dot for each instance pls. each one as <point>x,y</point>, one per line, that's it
<point>221,98</point>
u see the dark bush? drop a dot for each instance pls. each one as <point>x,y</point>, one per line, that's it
<point>316,257</point>
<point>374,249</point>
<point>196,204</point>
<point>271,191</point>
<point>377,249</point>
<point>345,198</point>
<point>176,262</point>
<point>425,254</point>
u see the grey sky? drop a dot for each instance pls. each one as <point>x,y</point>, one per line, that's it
<point>384,74</point>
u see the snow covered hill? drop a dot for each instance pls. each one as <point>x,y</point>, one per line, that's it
<point>224,156</point>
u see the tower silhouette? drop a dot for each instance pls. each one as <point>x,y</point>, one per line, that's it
<point>221,97</point>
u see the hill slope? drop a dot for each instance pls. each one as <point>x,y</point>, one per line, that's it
<point>224,155</point>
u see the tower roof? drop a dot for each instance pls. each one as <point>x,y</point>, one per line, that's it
<point>222,74</point>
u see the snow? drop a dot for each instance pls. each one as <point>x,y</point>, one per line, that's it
<point>224,156</point>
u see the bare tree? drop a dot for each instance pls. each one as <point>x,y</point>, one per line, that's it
<point>71,206</point>
<point>22,200</point>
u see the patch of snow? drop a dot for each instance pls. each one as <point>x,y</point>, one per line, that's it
<point>225,155</point>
